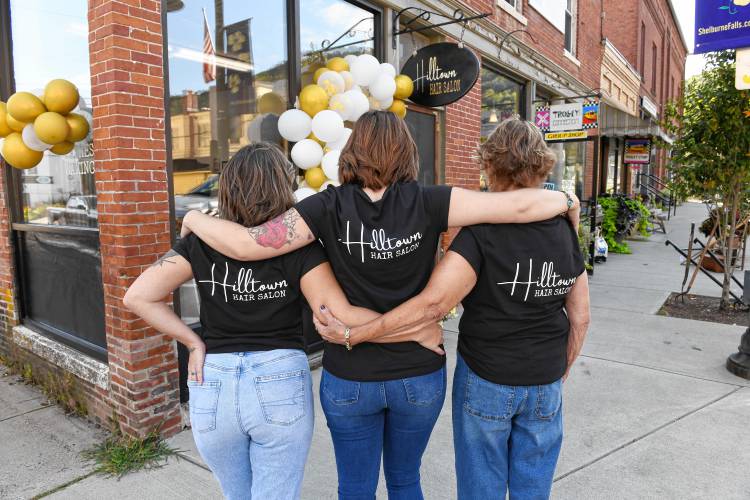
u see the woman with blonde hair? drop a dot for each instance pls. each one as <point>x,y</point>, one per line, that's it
<point>380,230</point>
<point>526,312</point>
<point>251,402</point>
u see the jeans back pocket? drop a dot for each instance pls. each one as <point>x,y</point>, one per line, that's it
<point>425,389</point>
<point>339,391</point>
<point>204,401</point>
<point>487,400</point>
<point>548,401</point>
<point>282,396</point>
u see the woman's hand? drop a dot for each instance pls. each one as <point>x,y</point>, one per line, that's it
<point>431,337</point>
<point>333,330</point>
<point>196,360</point>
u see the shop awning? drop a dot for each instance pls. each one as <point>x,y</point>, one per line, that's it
<point>614,122</point>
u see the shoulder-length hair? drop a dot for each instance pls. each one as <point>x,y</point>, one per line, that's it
<point>256,185</point>
<point>379,152</point>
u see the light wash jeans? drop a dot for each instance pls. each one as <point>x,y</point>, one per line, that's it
<point>506,438</point>
<point>252,420</point>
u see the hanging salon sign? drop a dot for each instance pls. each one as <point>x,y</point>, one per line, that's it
<point>442,73</point>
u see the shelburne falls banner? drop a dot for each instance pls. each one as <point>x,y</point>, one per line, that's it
<point>721,25</point>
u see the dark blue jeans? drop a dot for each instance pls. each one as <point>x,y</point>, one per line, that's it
<point>506,438</point>
<point>393,419</point>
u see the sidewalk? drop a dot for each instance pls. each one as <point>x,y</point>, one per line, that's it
<point>650,411</point>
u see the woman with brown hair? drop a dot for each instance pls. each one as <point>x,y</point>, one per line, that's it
<point>251,402</point>
<point>526,312</point>
<point>380,230</point>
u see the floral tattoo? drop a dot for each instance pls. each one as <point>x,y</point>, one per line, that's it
<point>278,231</point>
<point>166,258</point>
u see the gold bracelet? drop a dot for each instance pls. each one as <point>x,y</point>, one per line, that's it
<point>347,336</point>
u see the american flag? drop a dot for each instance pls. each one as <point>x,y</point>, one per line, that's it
<point>209,53</point>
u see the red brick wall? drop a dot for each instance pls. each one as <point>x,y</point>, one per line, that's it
<point>8,306</point>
<point>125,40</point>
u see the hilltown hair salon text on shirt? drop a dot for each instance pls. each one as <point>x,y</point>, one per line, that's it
<point>246,288</point>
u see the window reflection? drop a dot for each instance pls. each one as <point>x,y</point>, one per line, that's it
<point>60,190</point>
<point>331,28</point>
<point>501,99</point>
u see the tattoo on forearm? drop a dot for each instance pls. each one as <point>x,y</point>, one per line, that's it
<point>277,232</point>
<point>166,258</point>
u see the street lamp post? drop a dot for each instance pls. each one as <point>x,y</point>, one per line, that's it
<point>739,362</point>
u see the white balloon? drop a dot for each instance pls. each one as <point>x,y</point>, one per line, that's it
<point>327,125</point>
<point>341,104</point>
<point>348,79</point>
<point>325,185</point>
<point>388,69</point>
<point>330,164</point>
<point>81,105</point>
<point>385,104</point>
<point>294,125</point>
<point>307,154</point>
<point>303,193</point>
<point>32,141</point>
<point>332,83</point>
<point>365,69</point>
<point>383,87</point>
<point>360,104</point>
<point>341,142</point>
<point>350,60</point>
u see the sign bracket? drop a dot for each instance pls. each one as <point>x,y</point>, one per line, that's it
<point>425,15</point>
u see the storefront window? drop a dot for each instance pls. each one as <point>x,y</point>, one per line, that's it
<point>228,84</point>
<point>501,98</point>
<point>573,167</point>
<point>56,223</point>
<point>60,190</point>
<point>331,28</point>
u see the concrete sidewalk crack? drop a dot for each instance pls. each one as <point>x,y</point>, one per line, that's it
<point>663,370</point>
<point>27,412</point>
<point>644,436</point>
<point>63,486</point>
<point>191,460</point>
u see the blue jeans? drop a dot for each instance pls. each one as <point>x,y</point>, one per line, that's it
<point>506,438</point>
<point>252,421</point>
<point>393,419</point>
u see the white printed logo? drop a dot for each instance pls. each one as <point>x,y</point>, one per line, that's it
<point>381,246</point>
<point>246,288</point>
<point>548,284</point>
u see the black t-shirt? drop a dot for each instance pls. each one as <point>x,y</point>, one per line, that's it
<point>514,330</point>
<point>382,254</point>
<point>249,306</point>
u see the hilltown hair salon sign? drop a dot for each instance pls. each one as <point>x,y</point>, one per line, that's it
<point>442,73</point>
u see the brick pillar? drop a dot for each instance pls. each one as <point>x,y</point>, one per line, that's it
<point>126,50</point>
<point>8,309</point>
<point>463,124</point>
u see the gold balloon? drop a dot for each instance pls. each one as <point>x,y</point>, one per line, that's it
<point>61,96</point>
<point>319,72</point>
<point>79,127</point>
<point>315,177</point>
<point>14,124</point>
<point>17,155</point>
<point>337,64</point>
<point>25,106</point>
<point>404,87</point>
<point>270,102</point>
<point>313,99</point>
<point>398,107</point>
<point>51,127</point>
<point>4,127</point>
<point>62,148</point>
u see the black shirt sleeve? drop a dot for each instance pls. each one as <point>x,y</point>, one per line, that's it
<point>182,246</point>
<point>438,202</point>
<point>314,208</point>
<point>314,255</point>
<point>467,246</point>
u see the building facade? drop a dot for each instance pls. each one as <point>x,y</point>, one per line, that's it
<point>76,231</point>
